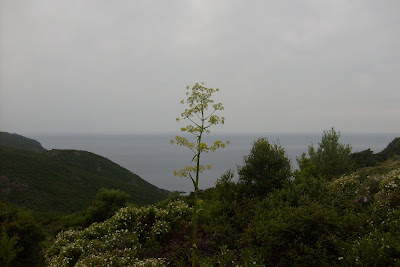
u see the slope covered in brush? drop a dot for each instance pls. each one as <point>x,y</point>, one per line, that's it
<point>66,180</point>
<point>20,142</point>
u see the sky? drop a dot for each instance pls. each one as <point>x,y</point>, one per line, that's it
<point>100,66</point>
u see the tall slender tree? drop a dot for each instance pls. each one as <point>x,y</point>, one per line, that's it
<point>201,112</point>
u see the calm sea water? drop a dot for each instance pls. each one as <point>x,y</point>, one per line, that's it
<point>154,159</point>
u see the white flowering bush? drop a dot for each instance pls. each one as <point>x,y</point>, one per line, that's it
<point>386,208</point>
<point>381,247</point>
<point>118,240</point>
<point>355,189</point>
<point>388,197</point>
<point>375,249</point>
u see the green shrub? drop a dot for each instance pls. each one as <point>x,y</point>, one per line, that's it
<point>265,169</point>
<point>388,197</point>
<point>8,248</point>
<point>354,192</point>
<point>330,160</point>
<point>312,234</point>
<point>375,249</point>
<point>21,237</point>
<point>225,187</point>
<point>107,202</point>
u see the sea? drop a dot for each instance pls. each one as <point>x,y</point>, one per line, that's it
<point>153,158</point>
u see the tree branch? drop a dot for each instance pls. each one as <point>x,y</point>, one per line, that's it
<point>210,114</point>
<point>193,121</point>
<point>191,178</point>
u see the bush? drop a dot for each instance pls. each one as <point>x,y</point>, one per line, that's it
<point>365,158</point>
<point>379,197</point>
<point>21,237</point>
<point>122,239</point>
<point>354,192</point>
<point>226,188</point>
<point>107,202</point>
<point>265,169</point>
<point>309,235</point>
<point>330,160</point>
<point>375,249</point>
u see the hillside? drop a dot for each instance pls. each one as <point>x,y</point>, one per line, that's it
<point>367,158</point>
<point>66,180</point>
<point>20,142</point>
<point>392,149</point>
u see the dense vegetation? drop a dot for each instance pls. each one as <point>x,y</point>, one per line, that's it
<point>65,181</point>
<point>20,142</point>
<point>306,217</point>
<point>20,237</point>
<point>367,158</point>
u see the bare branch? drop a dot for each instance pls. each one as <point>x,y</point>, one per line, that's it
<point>208,126</point>
<point>193,121</point>
<point>197,115</point>
<point>210,114</point>
<point>191,178</point>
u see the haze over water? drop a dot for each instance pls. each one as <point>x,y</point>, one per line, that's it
<point>153,158</point>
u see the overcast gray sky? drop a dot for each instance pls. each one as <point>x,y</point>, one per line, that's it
<point>100,66</point>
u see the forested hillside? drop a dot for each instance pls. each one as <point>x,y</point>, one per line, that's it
<point>65,181</point>
<point>367,158</point>
<point>20,142</point>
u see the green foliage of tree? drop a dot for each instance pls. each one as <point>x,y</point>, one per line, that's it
<point>265,169</point>
<point>330,160</point>
<point>376,248</point>
<point>8,248</point>
<point>365,158</point>
<point>351,221</point>
<point>199,101</point>
<point>21,237</point>
<point>108,201</point>
<point>225,186</point>
<point>312,234</point>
